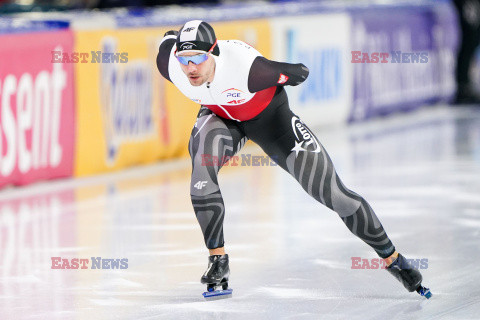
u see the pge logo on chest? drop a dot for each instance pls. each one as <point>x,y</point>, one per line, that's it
<point>233,93</point>
<point>233,96</point>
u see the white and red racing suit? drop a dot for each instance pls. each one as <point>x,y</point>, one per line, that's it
<point>246,100</point>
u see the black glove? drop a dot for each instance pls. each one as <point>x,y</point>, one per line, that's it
<point>171,32</point>
<point>298,74</point>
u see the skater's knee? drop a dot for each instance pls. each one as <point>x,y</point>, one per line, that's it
<point>344,201</point>
<point>203,186</point>
<point>204,179</point>
<point>212,154</point>
<point>206,166</point>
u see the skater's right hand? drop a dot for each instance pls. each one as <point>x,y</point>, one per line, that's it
<point>171,33</point>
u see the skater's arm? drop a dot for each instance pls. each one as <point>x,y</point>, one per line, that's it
<point>164,50</point>
<point>266,73</point>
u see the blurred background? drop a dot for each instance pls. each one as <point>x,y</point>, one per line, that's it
<point>73,115</point>
<point>94,160</point>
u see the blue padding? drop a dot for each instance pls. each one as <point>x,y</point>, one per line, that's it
<point>16,25</point>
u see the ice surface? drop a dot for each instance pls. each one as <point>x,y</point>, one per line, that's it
<point>290,257</point>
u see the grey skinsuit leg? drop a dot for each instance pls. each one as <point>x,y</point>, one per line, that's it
<point>212,141</point>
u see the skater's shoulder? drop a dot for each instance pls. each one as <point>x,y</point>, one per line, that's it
<point>238,50</point>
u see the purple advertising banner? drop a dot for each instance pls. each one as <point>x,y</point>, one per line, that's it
<point>402,59</point>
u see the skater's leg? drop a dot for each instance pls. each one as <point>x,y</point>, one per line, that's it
<point>212,140</point>
<point>288,141</point>
<point>217,251</point>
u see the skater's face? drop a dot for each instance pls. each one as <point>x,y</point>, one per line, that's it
<point>199,73</point>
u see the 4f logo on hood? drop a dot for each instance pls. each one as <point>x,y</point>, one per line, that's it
<point>306,141</point>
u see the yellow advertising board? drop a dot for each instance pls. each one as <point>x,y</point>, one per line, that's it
<point>127,114</point>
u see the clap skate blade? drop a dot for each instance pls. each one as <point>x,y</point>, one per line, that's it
<point>424,292</point>
<point>213,293</point>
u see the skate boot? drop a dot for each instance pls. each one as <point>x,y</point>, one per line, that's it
<point>217,275</point>
<point>410,277</point>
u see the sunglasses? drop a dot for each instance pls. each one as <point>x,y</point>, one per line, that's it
<point>197,59</point>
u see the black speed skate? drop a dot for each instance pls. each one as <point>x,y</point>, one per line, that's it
<point>217,275</point>
<point>410,277</point>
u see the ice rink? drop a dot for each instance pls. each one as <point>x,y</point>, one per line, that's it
<point>290,257</point>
